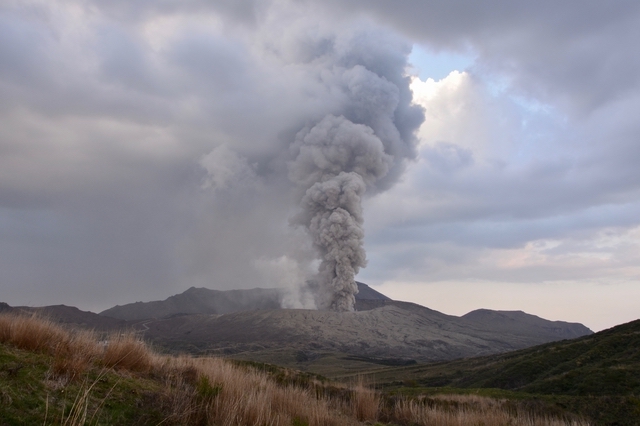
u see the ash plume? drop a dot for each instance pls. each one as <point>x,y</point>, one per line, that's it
<point>336,159</point>
<point>342,156</point>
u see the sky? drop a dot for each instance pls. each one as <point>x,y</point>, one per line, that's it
<point>150,146</point>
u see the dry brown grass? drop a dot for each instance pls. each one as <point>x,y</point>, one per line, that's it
<point>229,395</point>
<point>75,354</point>
<point>31,333</point>
<point>72,351</point>
<point>5,328</point>
<point>365,402</point>
<point>213,391</point>
<point>127,352</point>
<point>469,410</point>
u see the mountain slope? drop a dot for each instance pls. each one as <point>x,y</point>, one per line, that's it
<point>522,327</point>
<point>250,321</point>
<point>72,316</point>
<point>597,376</point>
<point>512,321</point>
<point>392,330</point>
<point>199,301</point>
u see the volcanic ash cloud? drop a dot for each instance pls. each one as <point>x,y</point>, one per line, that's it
<point>359,144</point>
<point>337,159</point>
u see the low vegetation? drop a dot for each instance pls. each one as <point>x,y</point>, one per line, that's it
<point>55,376</point>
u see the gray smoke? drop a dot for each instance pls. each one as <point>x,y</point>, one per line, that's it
<point>344,155</point>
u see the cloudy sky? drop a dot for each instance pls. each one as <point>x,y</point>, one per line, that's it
<point>147,147</point>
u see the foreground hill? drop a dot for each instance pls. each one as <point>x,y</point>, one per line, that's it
<point>597,375</point>
<point>604,363</point>
<point>50,375</point>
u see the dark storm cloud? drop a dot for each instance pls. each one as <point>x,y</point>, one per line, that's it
<point>237,11</point>
<point>146,146</point>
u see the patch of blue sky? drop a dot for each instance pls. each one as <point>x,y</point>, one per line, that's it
<point>427,63</point>
<point>542,125</point>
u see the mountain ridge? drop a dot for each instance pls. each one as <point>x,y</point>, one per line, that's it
<point>201,300</point>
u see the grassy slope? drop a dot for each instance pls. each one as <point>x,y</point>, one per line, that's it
<point>605,363</point>
<point>50,375</point>
<point>596,375</point>
<point>30,395</point>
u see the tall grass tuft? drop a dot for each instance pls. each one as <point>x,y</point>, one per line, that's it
<point>73,351</point>
<point>74,355</point>
<point>365,402</point>
<point>127,352</point>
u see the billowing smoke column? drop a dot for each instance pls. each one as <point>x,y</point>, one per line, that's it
<point>337,160</point>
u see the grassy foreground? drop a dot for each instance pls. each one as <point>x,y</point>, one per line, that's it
<point>50,375</point>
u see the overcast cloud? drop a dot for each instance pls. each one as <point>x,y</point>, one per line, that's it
<point>145,148</point>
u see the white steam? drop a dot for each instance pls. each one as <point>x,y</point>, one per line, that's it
<point>288,273</point>
<point>226,168</point>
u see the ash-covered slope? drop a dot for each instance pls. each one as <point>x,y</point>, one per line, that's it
<point>522,328</point>
<point>391,329</point>
<point>388,331</point>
